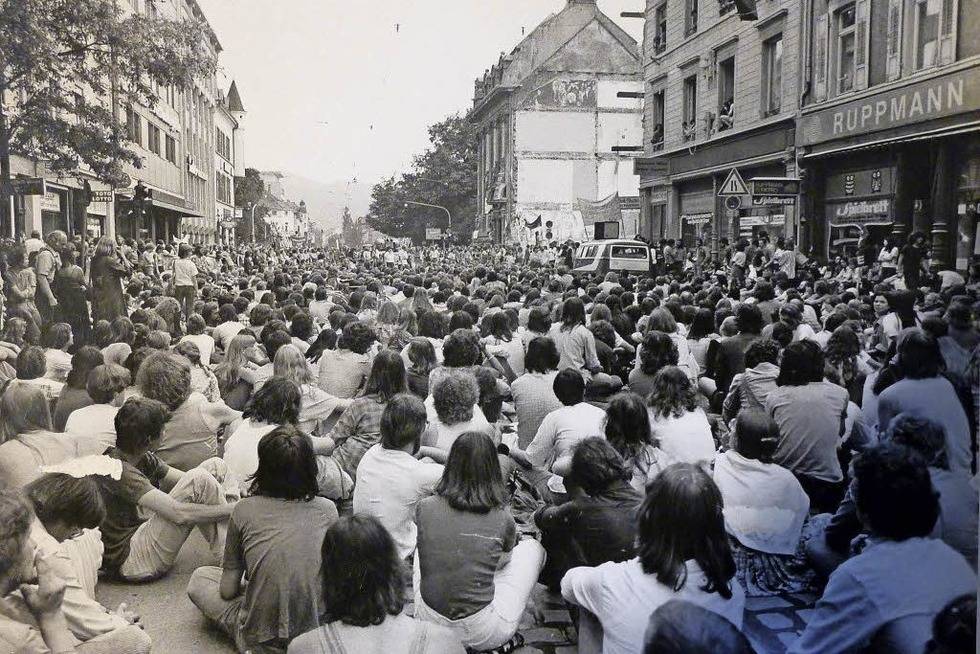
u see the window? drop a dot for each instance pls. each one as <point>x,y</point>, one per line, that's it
<point>134,128</point>
<point>926,33</point>
<point>153,138</point>
<point>726,94</point>
<point>657,137</point>
<point>772,75</point>
<point>690,116</point>
<point>222,144</point>
<point>171,149</point>
<point>222,188</point>
<point>660,26</point>
<point>629,252</point>
<point>845,40</point>
<point>690,17</point>
<point>725,7</point>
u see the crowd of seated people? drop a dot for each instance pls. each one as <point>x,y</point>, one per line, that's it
<point>460,429</point>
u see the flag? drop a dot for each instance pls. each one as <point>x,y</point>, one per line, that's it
<point>605,210</point>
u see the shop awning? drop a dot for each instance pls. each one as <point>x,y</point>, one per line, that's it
<point>942,132</point>
<point>176,208</point>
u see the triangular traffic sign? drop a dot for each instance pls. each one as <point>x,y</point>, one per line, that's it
<point>733,184</point>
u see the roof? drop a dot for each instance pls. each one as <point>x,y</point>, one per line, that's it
<point>234,100</point>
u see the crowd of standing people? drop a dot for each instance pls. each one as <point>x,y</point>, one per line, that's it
<point>351,429</point>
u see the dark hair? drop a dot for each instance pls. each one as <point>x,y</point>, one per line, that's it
<point>58,335</point>
<point>893,492</point>
<point>658,351</point>
<point>569,387</point>
<point>703,324</point>
<point>672,394</point>
<point>681,627</point>
<point>461,349</point>
<point>273,339</point>
<point>542,355</point>
<point>763,350</point>
<point>572,313</point>
<point>922,435</point>
<point>278,402</point>
<point>139,422</point>
<point>430,324</point>
<point>756,435</point>
<point>387,378</point>
<point>75,501</point>
<point>539,320</point>
<point>31,363</point>
<point>596,465</point>
<point>287,466</point>
<point>366,582</point>
<point>918,355</point>
<point>107,381</point>
<point>357,337</point>
<point>196,324</point>
<point>82,362</point>
<point>402,421</point>
<point>627,426</point>
<point>681,519</point>
<point>301,326</point>
<point>472,480</point>
<point>749,318</point>
<point>802,363</point>
<point>954,629</point>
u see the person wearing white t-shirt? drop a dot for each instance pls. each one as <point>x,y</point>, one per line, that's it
<point>104,385</point>
<point>196,335</point>
<point>390,479</point>
<point>229,326</point>
<point>676,420</point>
<point>563,428</point>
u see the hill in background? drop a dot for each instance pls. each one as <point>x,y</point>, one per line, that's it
<point>325,201</point>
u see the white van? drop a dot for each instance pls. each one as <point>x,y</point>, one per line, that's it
<point>616,255</point>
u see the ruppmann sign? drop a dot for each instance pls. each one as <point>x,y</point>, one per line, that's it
<point>937,97</point>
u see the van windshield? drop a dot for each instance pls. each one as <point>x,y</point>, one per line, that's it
<point>587,252</point>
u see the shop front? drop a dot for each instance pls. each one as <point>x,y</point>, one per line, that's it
<point>54,209</point>
<point>903,160</point>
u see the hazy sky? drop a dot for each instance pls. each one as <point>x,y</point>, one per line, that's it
<point>335,88</point>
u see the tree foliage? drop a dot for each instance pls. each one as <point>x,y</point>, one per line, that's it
<point>444,175</point>
<point>60,61</point>
<point>250,191</point>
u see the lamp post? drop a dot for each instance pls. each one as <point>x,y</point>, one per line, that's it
<point>251,209</point>
<point>434,206</point>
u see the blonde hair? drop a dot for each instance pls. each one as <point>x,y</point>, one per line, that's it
<point>23,408</point>
<point>291,364</point>
<point>230,370</point>
<point>105,247</point>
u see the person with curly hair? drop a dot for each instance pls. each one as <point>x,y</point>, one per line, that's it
<point>659,350</point>
<point>749,389</point>
<point>676,421</point>
<point>191,435</point>
<point>343,371</point>
<point>364,596</point>
<point>627,428</point>
<point>455,398</point>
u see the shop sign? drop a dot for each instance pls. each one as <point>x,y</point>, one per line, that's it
<point>861,183</point>
<point>433,234</point>
<point>51,201</point>
<point>858,211</point>
<point>697,218</point>
<point>772,201</point>
<point>629,203</point>
<point>658,196</point>
<point>29,186</point>
<point>945,95</point>
<point>101,196</point>
<point>775,186</point>
<point>760,221</point>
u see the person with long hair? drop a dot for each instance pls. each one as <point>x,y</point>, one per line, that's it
<point>274,539</point>
<point>575,343</point>
<point>501,342</point>
<point>106,272</point>
<point>682,553</point>
<point>392,333</point>
<point>74,395</point>
<point>20,285</point>
<point>465,532</point>
<point>359,426</point>
<point>627,428</point>
<point>317,404</point>
<point>27,442</point>
<point>234,383</point>
<point>533,392</point>
<point>203,380</point>
<point>421,362</point>
<point>364,597</point>
<point>676,421</point>
<point>658,351</point>
<point>809,413</point>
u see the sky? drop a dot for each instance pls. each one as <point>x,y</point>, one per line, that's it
<point>341,88</point>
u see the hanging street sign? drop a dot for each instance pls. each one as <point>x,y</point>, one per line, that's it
<point>733,184</point>
<point>775,186</point>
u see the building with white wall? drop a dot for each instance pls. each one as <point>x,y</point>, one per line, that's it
<point>560,120</point>
<point>228,161</point>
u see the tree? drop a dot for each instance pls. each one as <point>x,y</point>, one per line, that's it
<point>250,191</point>
<point>444,175</point>
<point>73,66</point>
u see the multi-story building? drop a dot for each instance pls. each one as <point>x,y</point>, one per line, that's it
<point>889,131</point>
<point>720,94</point>
<point>559,122</point>
<point>287,220</point>
<point>228,161</point>
<point>175,139</point>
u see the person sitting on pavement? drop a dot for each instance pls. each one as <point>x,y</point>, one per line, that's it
<point>105,383</point>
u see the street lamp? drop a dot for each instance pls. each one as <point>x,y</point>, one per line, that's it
<point>434,206</point>
<point>251,207</point>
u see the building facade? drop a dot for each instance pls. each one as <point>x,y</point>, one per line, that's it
<point>175,139</point>
<point>889,130</point>
<point>721,93</point>
<point>288,221</point>
<point>228,161</point>
<point>559,120</point>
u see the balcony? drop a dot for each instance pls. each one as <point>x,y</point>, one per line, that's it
<point>657,140</point>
